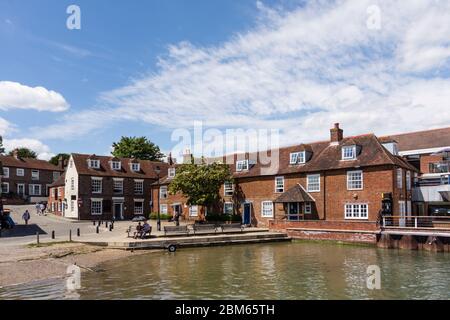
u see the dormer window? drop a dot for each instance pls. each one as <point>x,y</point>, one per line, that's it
<point>171,172</point>
<point>94,164</point>
<point>115,165</point>
<point>135,166</point>
<point>348,152</point>
<point>242,165</point>
<point>298,157</point>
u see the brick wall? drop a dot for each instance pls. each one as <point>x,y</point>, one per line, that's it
<point>426,160</point>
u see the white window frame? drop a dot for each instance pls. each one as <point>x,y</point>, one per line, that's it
<point>163,209</point>
<point>279,184</point>
<point>23,185</point>
<point>72,183</point>
<point>116,165</point>
<point>193,211</point>
<point>31,190</point>
<point>408,181</point>
<point>140,212</point>
<point>35,175</point>
<point>116,180</point>
<point>136,167</point>
<point>228,189</point>
<point>346,155</point>
<point>7,187</point>
<point>163,193</point>
<point>5,172</point>
<point>228,204</point>
<point>310,185</point>
<point>352,181</point>
<point>354,211</point>
<point>94,164</point>
<point>72,205</point>
<point>267,209</point>
<point>297,157</point>
<point>171,172</point>
<point>308,208</point>
<point>96,179</point>
<point>139,190</point>
<point>242,165</point>
<point>399,178</point>
<point>96,213</point>
<point>22,172</point>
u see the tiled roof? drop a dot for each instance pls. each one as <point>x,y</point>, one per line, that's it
<point>295,194</point>
<point>422,139</point>
<point>61,181</point>
<point>28,163</point>
<point>147,167</point>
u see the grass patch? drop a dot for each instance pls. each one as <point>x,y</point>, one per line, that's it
<point>46,244</point>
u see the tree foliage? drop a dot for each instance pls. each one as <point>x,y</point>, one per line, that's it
<point>55,160</point>
<point>137,147</point>
<point>200,183</point>
<point>24,153</point>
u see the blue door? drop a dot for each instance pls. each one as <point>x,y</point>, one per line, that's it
<point>247,213</point>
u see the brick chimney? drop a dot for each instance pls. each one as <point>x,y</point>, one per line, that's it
<point>61,162</point>
<point>336,134</point>
<point>16,153</point>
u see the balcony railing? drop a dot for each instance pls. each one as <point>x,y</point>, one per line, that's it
<point>416,222</point>
<point>440,167</point>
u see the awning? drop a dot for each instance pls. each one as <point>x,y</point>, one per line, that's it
<point>295,194</point>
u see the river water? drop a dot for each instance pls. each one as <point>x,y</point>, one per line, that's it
<point>297,270</point>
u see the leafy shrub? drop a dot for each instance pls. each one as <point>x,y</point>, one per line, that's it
<point>223,218</point>
<point>154,216</point>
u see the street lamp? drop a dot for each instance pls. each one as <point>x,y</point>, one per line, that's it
<point>158,171</point>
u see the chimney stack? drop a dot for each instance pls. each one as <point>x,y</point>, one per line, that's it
<point>61,162</point>
<point>187,156</point>
<point>16,153</point>
<point>336,134</point>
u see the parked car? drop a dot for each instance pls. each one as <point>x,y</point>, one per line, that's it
<point>440,212</point>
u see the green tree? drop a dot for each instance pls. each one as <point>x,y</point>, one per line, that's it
<point>137,147</point>
<point>2,149</point>
<point>55,160</point>
<point>200,183</point>
<point>24,153</point>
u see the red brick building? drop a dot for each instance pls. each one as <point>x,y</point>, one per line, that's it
<point>27,180</point>
<point>105,188</point>
<point>56,200</point>
<point>337,184</point>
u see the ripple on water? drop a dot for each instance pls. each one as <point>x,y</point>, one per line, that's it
<point>270,271</point>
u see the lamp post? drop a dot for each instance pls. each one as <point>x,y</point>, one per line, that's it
<point>158,223</point>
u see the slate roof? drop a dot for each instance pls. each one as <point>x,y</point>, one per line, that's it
<point>147,167</point>
<point>434,138</point>
<point>28,163</point>
<point>60,182</point>
<point>295,194</point>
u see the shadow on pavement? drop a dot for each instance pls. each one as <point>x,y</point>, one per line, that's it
<point>22,231</point>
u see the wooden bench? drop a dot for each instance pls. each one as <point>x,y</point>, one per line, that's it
<point>176,230</point>
<point>232,227</point>
<point>204,228</point>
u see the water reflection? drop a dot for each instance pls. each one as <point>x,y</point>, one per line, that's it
<point>269,271</point>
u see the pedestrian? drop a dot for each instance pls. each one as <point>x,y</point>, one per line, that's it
<point>42,207</point>
<point>38,208</point>
<point>26,216</point>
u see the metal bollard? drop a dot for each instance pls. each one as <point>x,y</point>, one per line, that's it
<point>93,222</point>
<point>106,224</point>
<point>70,235</point>
<point>97,230</point>
<point>53,234</point>
<point>37,237</point>
<point>78,232</point>
<point>98,224</point>
<point>110,227</point>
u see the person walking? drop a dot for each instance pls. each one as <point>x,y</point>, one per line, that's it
<point>38,208</point>
<point>42,207</point>
<point>26,216</point>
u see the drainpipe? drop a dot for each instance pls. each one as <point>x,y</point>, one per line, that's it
<point>324,195</point>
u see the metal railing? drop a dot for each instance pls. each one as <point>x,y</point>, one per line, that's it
<point>416,222</point>
<point>440,167</point>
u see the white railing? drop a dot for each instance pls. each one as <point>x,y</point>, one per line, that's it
<point>416,222</point>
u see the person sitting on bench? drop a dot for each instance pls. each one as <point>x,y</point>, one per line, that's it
<point>145,229</point>
<point>138,231</point>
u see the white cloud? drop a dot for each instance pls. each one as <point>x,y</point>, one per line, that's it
<point>37,146</point>
<point>300,71</point>
<point>6,127</point>
<point>14,95</point>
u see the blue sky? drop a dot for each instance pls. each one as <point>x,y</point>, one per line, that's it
<point>150,67</point>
